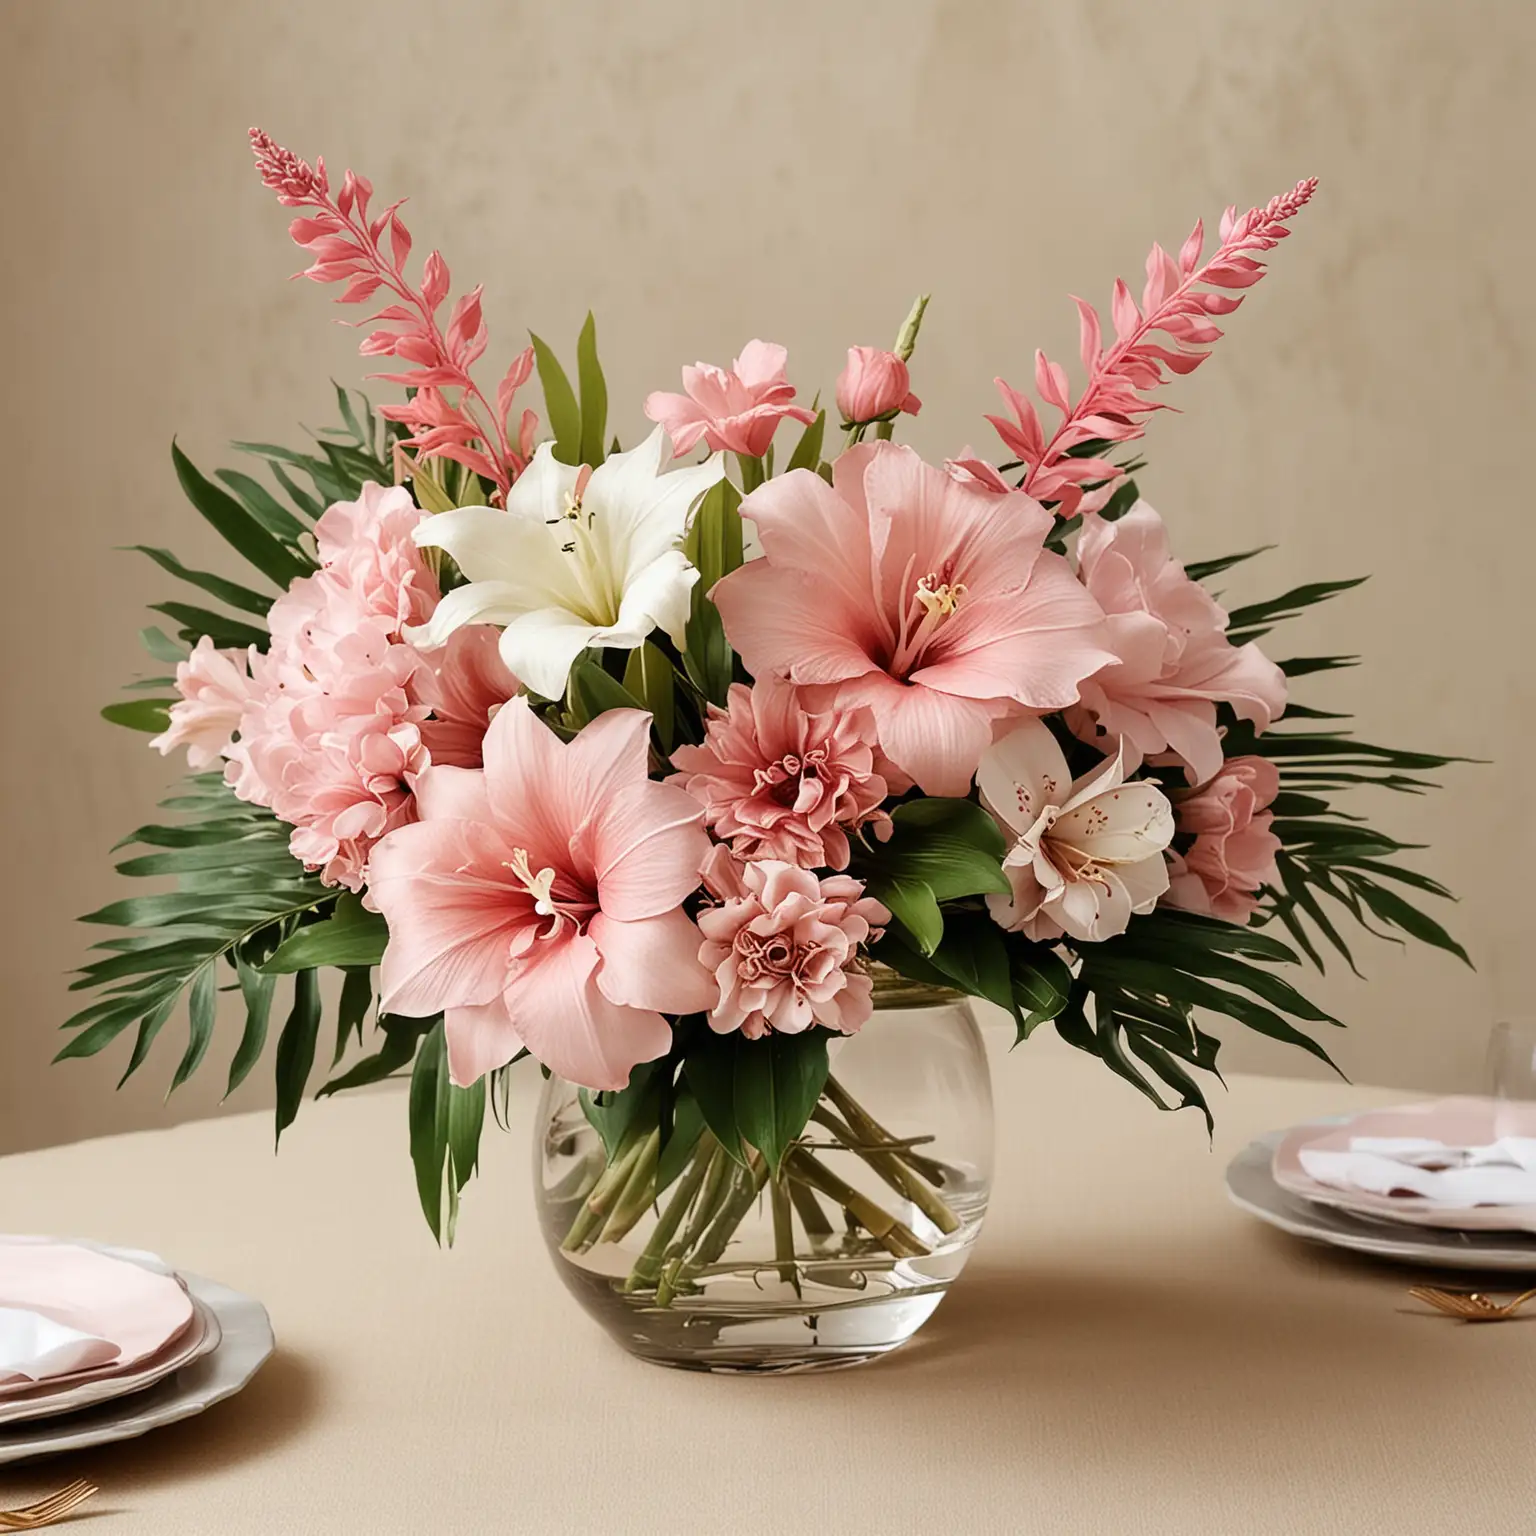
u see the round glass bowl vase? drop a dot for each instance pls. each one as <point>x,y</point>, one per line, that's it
<point>693,1258</point>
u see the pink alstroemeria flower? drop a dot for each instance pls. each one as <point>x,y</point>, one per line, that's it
<point>738,408</point>
<point>538,902</point>
<point>1174,661</point>
<point>927,599</point>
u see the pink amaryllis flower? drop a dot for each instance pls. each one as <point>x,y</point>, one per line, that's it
<point>538,902</point>
<point>737,408</point>
<point>927,599</point>
<point>783,946</point>
<point>216,687</point>
<point>1174,663</point>
<point>465,682</point>
<point>1085,854</point>
<point>777,781</point>
<point>1232,857</point>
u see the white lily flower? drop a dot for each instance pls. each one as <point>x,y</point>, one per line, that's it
<point>1084,855</point>
<point>568,565</point>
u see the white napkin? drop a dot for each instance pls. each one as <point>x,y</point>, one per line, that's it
<point>1501,1173</point>
<point>34,1347</point>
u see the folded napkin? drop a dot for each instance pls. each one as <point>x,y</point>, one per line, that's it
<point>1501,1172</point>
<point>34,1347</point>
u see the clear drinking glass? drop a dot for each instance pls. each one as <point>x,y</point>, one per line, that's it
<point>1512,1059</point>
<point>840,1259</point>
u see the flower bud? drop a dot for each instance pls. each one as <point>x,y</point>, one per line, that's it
<point>874,385</point>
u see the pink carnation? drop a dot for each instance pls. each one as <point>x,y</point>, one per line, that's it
<point>215,688</point>
<point>1175,662</point>
<point>779,782</point>
<point>335,749</point>
<point>1233,854</point>
<point>738,408</point>
<point>783,947</point>
<point>366,546</point>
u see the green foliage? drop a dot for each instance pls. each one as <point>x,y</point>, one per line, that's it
<point>237,893</point>
<point>350,936</point>
<point>714,545</point>
<point>594,395</point>
<point>559,402</point>
<point>648,677</point>
<point>807,454</point>
<point>757,1093</point>
<point>445,1125</point>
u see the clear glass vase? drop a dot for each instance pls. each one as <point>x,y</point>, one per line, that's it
<point>838,1259</point>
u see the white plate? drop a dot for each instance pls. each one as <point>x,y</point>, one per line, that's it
<point>246,1344</point>
<point>1251,1185</point>
<point>84,1389</point>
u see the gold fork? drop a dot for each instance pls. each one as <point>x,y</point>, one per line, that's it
<point>33,1517</point>
<point>1471,1306</point>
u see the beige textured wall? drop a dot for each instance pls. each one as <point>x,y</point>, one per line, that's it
<point>700,173</point>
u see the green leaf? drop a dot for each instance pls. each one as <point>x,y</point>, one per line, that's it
<point>445,1125</point>
<point>709,1069</point>
<point>807,454</point>
<point>913,905</point>
<point>202,1010</point>
<point>593,691</point>
<point>225,632</point>
<point>352,935</point>
<point>614,1113</point>
<point>1287,605</point>
<point>1201,570</point>
<point>257,990</point>
<point>714,539</point>
<point>238,527</point>
<point>161,646</point>
<point>594,394</point>
<point>1041,983</point>
<point>974,956</point>
<point>648,677</point>
<point>1392,908</point>
<point>140,714</point>
<point>952,846</point>
<point>352,1007</point>
<point>687,1127</point>
<point>559,403</point>
<point>296,1048</point>
<point>778,1080</point>
<point>228,592</point>
<point>401,1037</point>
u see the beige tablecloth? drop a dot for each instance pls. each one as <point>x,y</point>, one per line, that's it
<point>1127,1353</point>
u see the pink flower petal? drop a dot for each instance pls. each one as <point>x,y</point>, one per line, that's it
<point>653,963</point>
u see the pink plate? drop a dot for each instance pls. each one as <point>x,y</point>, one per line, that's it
<point>137,1310</point>
<point>1463,1122</point>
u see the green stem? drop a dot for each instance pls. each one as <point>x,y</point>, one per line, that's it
<point>638,1192</point>
<point>647,1270</point>
<point>890,1168</point>
<point>745,1185</point>
<point>808,1208</point>
<point>870,1129</point>
<point>594,1211</point>
<point>783,1232</point>
<point>894,1236</point>
<point>753,472</point>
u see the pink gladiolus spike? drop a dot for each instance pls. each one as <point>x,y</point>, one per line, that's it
<point>344,245</point>
<point>1176,303</point>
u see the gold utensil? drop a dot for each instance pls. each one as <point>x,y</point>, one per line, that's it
<point>1471,1306</point>
<point>56,1506</point>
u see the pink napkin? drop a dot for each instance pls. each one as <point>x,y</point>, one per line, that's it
<point>70,1308</point>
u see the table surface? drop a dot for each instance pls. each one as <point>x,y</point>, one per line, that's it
<point>1126,1352</point>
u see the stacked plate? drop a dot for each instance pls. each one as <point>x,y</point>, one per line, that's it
<point>1450,1183</point>
<point>100,1344</point>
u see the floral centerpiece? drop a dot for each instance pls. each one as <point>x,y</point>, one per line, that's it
<point>661,764</point>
